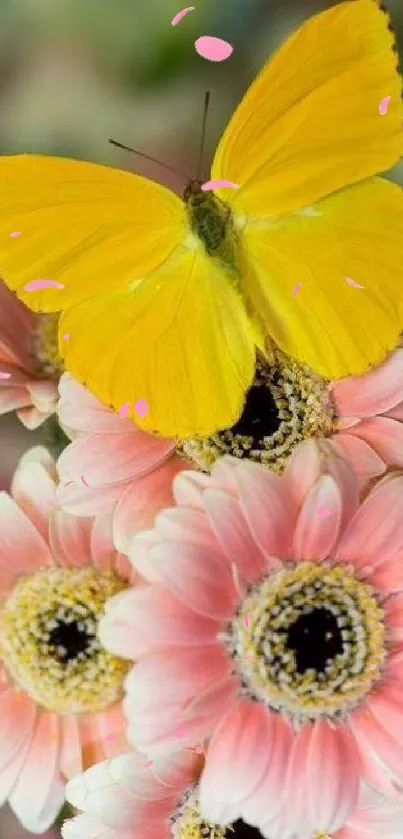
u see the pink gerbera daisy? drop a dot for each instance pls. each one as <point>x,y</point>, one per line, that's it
<point>29,362</point>
<point>112,465</point>
<point>60,690</point>
<point>289,403</point>
<point>273,626</point>
<point>124,798</point>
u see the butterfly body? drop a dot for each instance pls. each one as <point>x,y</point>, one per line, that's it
<point>168,300</point>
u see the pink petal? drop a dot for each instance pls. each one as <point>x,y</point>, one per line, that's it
<point>365,462</point>
<point>34,488</point>
<point>214,49</point>
<point>238,758</point>
<point>187,525</point>
<point>34,285</point>
<point>142,500</point>
<point>385,436</point>
<point>394,616</point>
<point>219,183</point>
<point>268,796</point>
<point>80,410</point>
<point>112,726</point>
<point>16,325</point>
<point>21,547</point>
<point>17,719</point>
<point>184,671</point>
<point>178,17</point>
<point>387,576</point>
<point>108,459</point>
<point>103,553</point>
<point>268,510</point>
<point>315,534</point>
<point>188,487</point>
<point>10,773</point>
<point>70,747</point>
<point>376,392</point>
<point>30,794</point>
<point>150,616</point>
<point>233,534</point>
<point>324,757</point>
<point>370,731</point>
<point>12,398</point>
<point>194,575</point>
<point>353,283</point>
<point>376,530</point>
<point>70,539</point>
<point>80,500</point>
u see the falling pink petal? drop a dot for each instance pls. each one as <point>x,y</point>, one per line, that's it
<point>124,409</point>
<point>179,732</point>
<point>353,283</point>
<point>296,289</point>
<point>66,336</point>
<point>34,285</point>
<point>323,511</point>
<point>5,375</point>
<point>182,14</point>
<point>149,763</point>
<point>68,483</point>
<point>383,105</point>
<point>16,233</point>
<point>141,407</point>
<point>199,750</point>
<point>246,621</point>
<point>109,737</point>
<point>83,481</point>
<point>214,49</point>
<point>218,184</point>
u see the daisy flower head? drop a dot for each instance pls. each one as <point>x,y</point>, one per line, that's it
<point>60,690</point>
<point>289,403</point>
<point>127,472</point>
<point>29,363</point>
<point>272,627</point>
<point>131,798</point>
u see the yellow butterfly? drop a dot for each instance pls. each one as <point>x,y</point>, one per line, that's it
<point>167,300</point>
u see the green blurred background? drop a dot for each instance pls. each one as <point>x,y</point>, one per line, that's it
<point>75,72</point>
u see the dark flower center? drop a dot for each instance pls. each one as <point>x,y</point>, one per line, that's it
<point>260,416</point>
<point>315,638</point>
<point>241,830</point>
<point>69,639</point>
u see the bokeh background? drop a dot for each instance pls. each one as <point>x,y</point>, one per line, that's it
<point>75,72</point>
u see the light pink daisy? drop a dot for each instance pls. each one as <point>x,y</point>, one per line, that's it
<point>112,465</point>
<point>29,363</point>
<point>288,403</point>
<point>123,798</point>
<point>127,798</point>
<point>273,626</point>
<point>60,690</point>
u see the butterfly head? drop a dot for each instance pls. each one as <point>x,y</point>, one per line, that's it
<point>193,193</point>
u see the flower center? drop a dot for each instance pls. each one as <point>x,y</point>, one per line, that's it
<point>308,640</point>
<point>187,823</point>
<point>45,347</point>
<point>49,644</point>
<point>286,404</point>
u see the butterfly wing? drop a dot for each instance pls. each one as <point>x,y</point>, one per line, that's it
<point>181,340</point>
<point>310,123</point>
<point>91,228</point>
<point>334,327</point>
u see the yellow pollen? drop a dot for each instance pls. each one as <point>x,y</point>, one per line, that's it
<point>49,643</point>
<point>187,822</point>
<point>45,348</point>
<point>258,639</point>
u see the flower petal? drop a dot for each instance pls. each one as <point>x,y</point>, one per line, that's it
<point>233,534</point>
<point>21,546</point>
<point>70,539</point>
<point>365,461</point>
<point>30,794</point>
<point>319,521</point>
<point>375,392</point>
<point>385,436</point>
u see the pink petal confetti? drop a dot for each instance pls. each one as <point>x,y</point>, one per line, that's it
<point>109,737</point>
<point>149,763</point>
<point>141,407</point>
<point>353,283</point>
<point>182,14</point>
<point>323,511</point>
<point>383,105</point>
<point>5,375</point>
<point>296,289</point>
<point>199,750</point>
<point>66,336</point>
<point>246,621</point>
<point>83,481</point>
<point>16,233</point>
<point>34,285</point>
<point>179,732</point>
<point>219,184</point>
<point>68,483</point>
<point>214,49</point>
<point>124,409</point>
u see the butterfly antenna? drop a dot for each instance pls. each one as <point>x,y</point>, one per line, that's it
<point>153,159</point>
<point>203,134</point>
